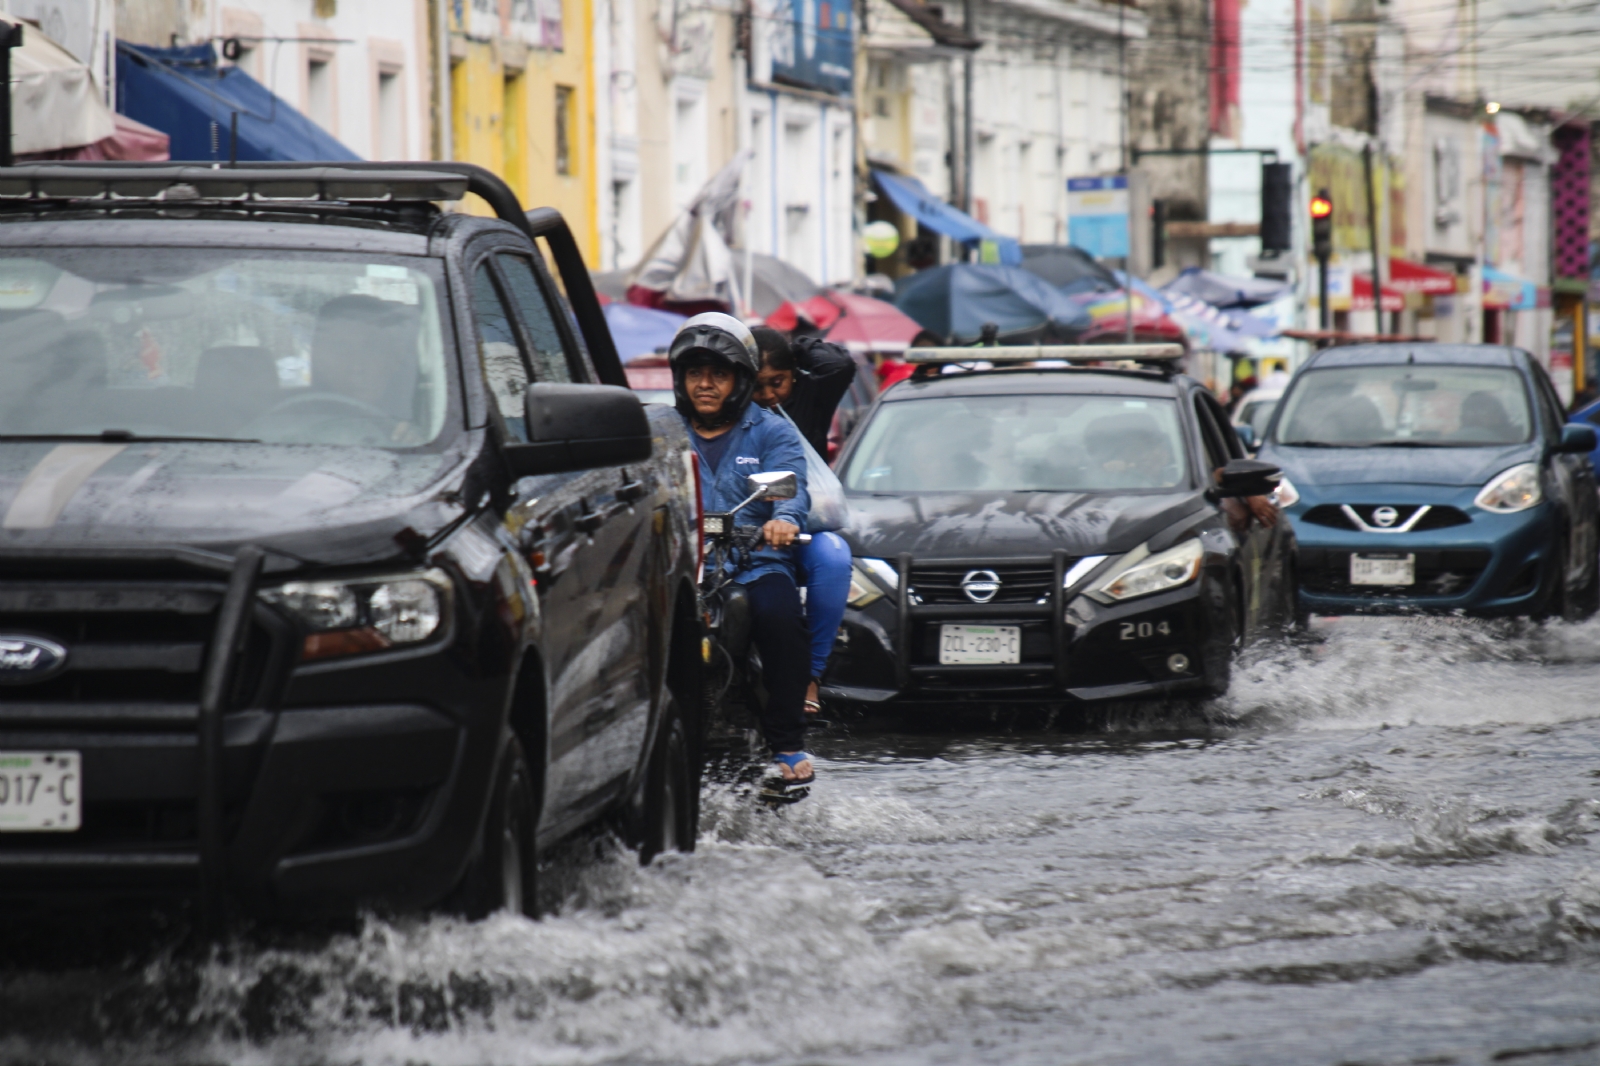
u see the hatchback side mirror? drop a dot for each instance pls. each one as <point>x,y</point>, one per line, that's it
<point>1247,437</point>
<point>580,427</point>
<point>1578,438</point>
<point>1247,477</point>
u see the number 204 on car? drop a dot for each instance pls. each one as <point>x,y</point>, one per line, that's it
<point>40,791</point>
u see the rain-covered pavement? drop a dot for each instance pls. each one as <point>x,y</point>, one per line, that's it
<point>1376,851</point>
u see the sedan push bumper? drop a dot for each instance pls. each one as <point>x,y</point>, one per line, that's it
<point>1072,647</point>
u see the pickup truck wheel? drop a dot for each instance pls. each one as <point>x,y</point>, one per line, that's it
<point>672,792</point>
<point>502,876</point>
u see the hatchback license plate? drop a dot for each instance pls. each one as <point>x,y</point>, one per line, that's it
<point>40,792</point>
<point>979,645</point>
<point>1383,569</point>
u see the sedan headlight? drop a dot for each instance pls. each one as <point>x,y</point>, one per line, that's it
<point>1142,573</point>
<point>871,580</point>
<point>363,615</point>
<point>1285,495</point>
<point>1512,490</point>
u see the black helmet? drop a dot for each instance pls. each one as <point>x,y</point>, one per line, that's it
<point>714,337</point>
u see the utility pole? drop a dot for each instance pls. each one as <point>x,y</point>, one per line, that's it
<point>1122,136</point>
<point>969,23</point>
<point>10,37</point>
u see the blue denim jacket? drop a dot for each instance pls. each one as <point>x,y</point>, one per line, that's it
<point>762,441</point>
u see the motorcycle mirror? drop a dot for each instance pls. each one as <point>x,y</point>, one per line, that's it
<point>773,485</point>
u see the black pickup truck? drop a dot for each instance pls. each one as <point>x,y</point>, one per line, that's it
<point>338,566</point>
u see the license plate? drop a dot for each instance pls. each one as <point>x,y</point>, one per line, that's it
<point>979,645</point>
<point>40,792</point>
<point>1383,569</point>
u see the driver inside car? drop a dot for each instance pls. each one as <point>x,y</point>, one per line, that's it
<point>714,362</point>
<point>1130,452</point>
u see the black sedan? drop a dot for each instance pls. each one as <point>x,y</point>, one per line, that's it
<point>1054,534</point>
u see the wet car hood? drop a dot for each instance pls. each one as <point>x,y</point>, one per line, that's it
<point>1455,467</point>
<point>316,504</point>
<point>1008,525</point>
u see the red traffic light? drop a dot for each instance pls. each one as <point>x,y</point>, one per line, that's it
<point>1321,207</point>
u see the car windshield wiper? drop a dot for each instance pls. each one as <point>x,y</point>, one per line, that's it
<point>121,436</point>
<point>1316,444</point>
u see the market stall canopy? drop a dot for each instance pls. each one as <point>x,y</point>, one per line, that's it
<point>1108,313</point>
<point>187,95</point>
<point>1067,267</point>
<point>1507,292</point>
<point>641,331</point>
<point>954,301</point>
<point>55,103</point>
<point>1406,276</point>
<point>1361,295</point>
<point>912,197</point>
<point>860,323</point>
<point>1219,290</point>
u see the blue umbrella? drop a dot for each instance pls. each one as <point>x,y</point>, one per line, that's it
<point>955,300</point>
<point>640,331</point>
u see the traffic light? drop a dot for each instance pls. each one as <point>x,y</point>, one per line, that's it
<point>1277,197</point>
<point>1322,224</point>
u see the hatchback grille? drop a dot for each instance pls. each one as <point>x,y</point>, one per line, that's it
<point>934,584</point>
<point>1333,516</point>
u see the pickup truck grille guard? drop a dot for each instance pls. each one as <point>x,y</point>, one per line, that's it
<point>1052,609</point>
<point>220,621</point>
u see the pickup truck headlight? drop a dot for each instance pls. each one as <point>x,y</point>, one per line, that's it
<point>1511,490</point>
<point>871,580</point>
<point>1142,574</point>
<point>352,616</point>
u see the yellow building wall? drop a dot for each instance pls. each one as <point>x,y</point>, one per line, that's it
<point>503,102</point>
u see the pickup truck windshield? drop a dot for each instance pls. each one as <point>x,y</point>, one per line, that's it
<point>280,347</point>
<point>1406,406</point>
<point>1036,443</point>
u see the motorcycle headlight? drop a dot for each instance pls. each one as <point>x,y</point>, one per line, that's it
<point>871,580</point>
<point>1285,495</point>
<point>1142,574</point>
<point>352,616</point>
<point>1511,490</point>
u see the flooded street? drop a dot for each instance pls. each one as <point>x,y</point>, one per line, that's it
<point>1377,850</point>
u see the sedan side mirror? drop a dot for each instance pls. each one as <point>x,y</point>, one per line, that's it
<point>1247,437</point>
<point>1578,438</point>
<point>1248,477</point>
<point>773,485</point>
<point>580,427</point>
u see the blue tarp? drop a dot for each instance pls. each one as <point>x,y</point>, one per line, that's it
<point>185,94</point>
<point>641,331</point>
<point>955,300</point>
<point>912,197</point>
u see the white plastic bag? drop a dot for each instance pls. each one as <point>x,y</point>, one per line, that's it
<point>829,511</point>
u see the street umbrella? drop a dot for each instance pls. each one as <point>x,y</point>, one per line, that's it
<point>1068,268</point>
<point>1219,290</point>
<point>860,323</point>
<point>956,300</point>
<point>641,331</point>
<point>773,282</point>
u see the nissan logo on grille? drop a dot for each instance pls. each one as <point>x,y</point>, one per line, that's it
<point>1385,516</point>
<point>27,659</point>
<point>981,586</point>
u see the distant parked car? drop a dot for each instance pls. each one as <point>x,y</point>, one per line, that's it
<point>651,378</point>
<point>1436,477</point>
<point>1255,410</point>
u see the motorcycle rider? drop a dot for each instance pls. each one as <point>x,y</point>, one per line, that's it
<point>714,363</point>
<point>807,377</point>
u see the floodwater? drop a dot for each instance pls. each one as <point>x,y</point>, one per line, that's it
<point>1377,850</point>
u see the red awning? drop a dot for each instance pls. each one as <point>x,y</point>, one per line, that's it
<point>1406,276</point>
<point>1361,295</point>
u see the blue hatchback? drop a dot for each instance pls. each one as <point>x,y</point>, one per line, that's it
<point>1436,477</point>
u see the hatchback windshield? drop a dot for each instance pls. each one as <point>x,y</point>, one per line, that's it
<point>1401,406</point>
<point>1037,443</point>
<point>290,348</point>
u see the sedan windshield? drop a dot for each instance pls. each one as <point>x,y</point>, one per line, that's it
<point>1036,443</point>
<point>289,348</point>
<point>1406,406</point>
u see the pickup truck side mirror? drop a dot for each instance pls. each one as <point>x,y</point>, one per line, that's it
<point>1577,438</point>
<point>1247,477</point>
<point>580,427</point>
<point>1247,437</point>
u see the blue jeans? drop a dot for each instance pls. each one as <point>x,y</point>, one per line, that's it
<point>825,572</point>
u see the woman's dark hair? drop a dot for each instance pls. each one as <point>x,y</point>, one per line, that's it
<point>775,353</point>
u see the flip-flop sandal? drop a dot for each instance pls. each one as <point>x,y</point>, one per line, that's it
<point>813,707</point>
<point>788,790</point>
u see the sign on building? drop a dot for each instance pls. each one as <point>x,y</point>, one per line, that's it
<point>813,44</point>
<point>1097,215</point>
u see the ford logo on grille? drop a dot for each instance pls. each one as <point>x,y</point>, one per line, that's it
<point>981,586</point>
<point>27,659</point>
<point>1386,516</point>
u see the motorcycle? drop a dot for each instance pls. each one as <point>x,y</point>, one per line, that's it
<point>734,691</point>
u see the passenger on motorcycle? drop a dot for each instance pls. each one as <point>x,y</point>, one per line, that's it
<point>714,363</point>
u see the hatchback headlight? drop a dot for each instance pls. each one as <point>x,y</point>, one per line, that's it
<point>1142,574</point>
<point>364,615</point>
<point>1511,490</point>
<point>871,580</point>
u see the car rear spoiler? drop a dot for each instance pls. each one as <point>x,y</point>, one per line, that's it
<point>349,182</point>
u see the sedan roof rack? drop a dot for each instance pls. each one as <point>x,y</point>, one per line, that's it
<point>1163,358</point>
